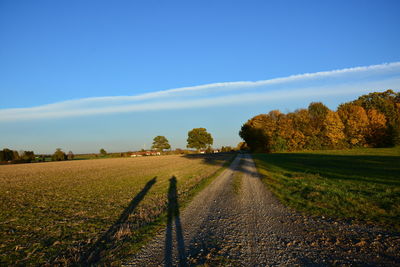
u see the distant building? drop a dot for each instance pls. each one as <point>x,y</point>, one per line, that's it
<point>145,153</point>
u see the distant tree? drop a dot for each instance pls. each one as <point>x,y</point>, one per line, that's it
<point>377,129</point>
<point>242,146</point>
<point>7,155</point>
<point>332,130</point>
<point>258,131</point>
<point>226,149</point>
<point>199,138</point>
<point>41,158</point>
<point>70,155</point>
<point>314,128</point>
<point>318,111</point>
<point>388,104</point>
<point>355,122</point>
<point>103,152</point>
<point>160,143</point>
<point>16,156</point>
<point>209,150</point>
<point>27,156</point>
<point>272,130</point>
<point>58,155</point>
<point>384,102</point>
<point>179,151</point>
<point>371,120</point>
<point>302,132</point>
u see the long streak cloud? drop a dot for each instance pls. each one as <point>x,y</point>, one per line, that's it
<point>336,82</point>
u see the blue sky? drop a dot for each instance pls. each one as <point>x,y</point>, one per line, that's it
<point>82,75</point>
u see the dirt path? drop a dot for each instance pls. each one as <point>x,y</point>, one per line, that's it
<point>236,221</point>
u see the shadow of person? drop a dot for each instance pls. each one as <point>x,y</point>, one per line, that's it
<point>106,241</point>
<point>173,216</point>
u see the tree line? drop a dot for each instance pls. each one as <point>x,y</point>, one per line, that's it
<point>372,120</point>
<point>198,138</point>
<point>8,155</point>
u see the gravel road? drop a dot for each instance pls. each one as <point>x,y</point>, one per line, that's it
<point>236,221</point>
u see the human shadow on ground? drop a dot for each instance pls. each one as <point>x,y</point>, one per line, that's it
<point>174,217</point>
<point>107,240</point>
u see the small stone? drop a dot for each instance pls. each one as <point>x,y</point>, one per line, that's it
<point>362,243</point>
<point>391,250</point>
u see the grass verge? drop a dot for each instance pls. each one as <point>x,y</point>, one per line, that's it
<point>362,184</point>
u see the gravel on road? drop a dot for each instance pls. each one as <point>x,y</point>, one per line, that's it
<point>236,221</point>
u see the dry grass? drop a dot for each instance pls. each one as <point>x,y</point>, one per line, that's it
<point>55,212</point>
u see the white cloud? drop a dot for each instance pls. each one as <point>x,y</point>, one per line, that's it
<point>335,82</point>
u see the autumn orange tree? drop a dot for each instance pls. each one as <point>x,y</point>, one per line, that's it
<point>387,103</point>
<point>333,127</point>
<point>377,128</point>
<point>355,122</point>
<point>372,120</point>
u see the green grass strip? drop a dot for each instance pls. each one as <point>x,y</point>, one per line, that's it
<point>360,184</point>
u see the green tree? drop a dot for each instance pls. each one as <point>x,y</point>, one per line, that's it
<point>199,138</point>
<point>160,143</point>
<point>256,138</point>
<point>103,152</point>
<point>58,155</point>
<point>27,156</point>
<point>261,132</point>
<point>7,155</point>
<point>318,113</point>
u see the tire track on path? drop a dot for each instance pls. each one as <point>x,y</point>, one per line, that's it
<point>250,227</point>
<point>200,221</point>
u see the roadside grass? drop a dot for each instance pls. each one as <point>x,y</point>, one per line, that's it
<point>361,184</point>
<point>63,213</point>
